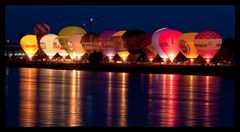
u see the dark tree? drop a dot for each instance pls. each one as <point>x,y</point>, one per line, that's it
<point>95,58</point>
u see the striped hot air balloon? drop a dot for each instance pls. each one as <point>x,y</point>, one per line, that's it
<point>41,29</point>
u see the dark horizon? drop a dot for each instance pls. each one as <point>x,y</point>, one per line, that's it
<point>148,18</point>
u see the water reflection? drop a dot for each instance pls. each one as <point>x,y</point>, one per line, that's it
<point>81,98</point>
<point>28,98</point>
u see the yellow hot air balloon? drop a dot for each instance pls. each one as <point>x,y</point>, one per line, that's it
<point>64,36</point>
<point>186,45</point>
<point>29,45</point>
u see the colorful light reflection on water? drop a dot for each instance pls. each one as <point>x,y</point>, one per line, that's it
<point>46,97</point>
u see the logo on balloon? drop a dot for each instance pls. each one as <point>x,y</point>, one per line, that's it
<point>184,47</point>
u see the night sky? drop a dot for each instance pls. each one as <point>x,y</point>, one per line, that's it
<point>149,18</point>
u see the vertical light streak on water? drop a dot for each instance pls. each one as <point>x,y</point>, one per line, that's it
<point>190,113</point>
<point>163,103</point>
<point>206,104</point>
<point>109,100</point>
<point>46,107</point>
<point>73,102</point>
<point>150,104</point>
<point>123,105</point>
<point>27,97</point>
<point>170,103</point>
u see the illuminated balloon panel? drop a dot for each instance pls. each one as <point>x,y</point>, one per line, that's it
<point>207,44</point>
<point>107,45</point>
<point>146,46</point>
<point>64,35</point>
<point>29,45</point>
<point>61,51</point>
<point>186,45</point>
<point>155,44</point>
<point>48,46</point>
<point>123,54</point>
<point>168,42</point>
<point>78,50</point>
<point>90,43</point>
<point>108,48</point>
<point>118,42</point>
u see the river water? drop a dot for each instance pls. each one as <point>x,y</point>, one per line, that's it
<point>64,98</point>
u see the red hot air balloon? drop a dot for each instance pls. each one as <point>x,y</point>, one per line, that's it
<point>168,42</point>
<point>41,29</point>
<point>207,44</point>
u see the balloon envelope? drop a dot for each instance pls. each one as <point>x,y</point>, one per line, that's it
<point>90,43</point>
<point>146,46</point>
<point>60,50</point>
<point>29,45</point>
<point>186,45</point>
<point>132,39</point>
<point>207,44</point>
<point>168,42</point>
<point>118,41</point>
<point>48,46</point>
<point>155,44</point>
<point>106,43</point>
<point>64,35</point>
<point>41,29</point>
<point>78,50</point>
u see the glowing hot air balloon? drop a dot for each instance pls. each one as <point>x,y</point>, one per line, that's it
<point>29,45</point>
<point>168,42</point>
<point>155,43</point>
<point>78,50</point>
<point>119,44</point>
<point>107,44</point>
<point>146,46</point>
<point>186,45</point>
<point>41,29</point>
<point>64,35</point>
<point>48,46</point>
<point>61,51</point>
<point>207,44</point>
<point>90,43</point>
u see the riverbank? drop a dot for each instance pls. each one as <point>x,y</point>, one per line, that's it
<point>226,71</point>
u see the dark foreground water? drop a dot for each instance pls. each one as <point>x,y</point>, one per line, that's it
<point>46,97</point>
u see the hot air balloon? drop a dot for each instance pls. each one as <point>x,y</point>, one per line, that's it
<point>132,40</point>
<point>61,51</point>
<point>78,50</point>
<point>90,43</point>
<point>41,29</point>
<point>155,43</point>
<point>48,46</point>
<point>168,42</point>
<point>107,44</point>
<point>207,44</point>
<point>29,45</point>
<point>186,45</point>
<point>146,46</point>
<point>64,35</point>
<point>119,44</point>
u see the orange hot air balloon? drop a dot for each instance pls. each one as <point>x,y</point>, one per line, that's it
<point>186,45</point>
<point>29,45</point>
